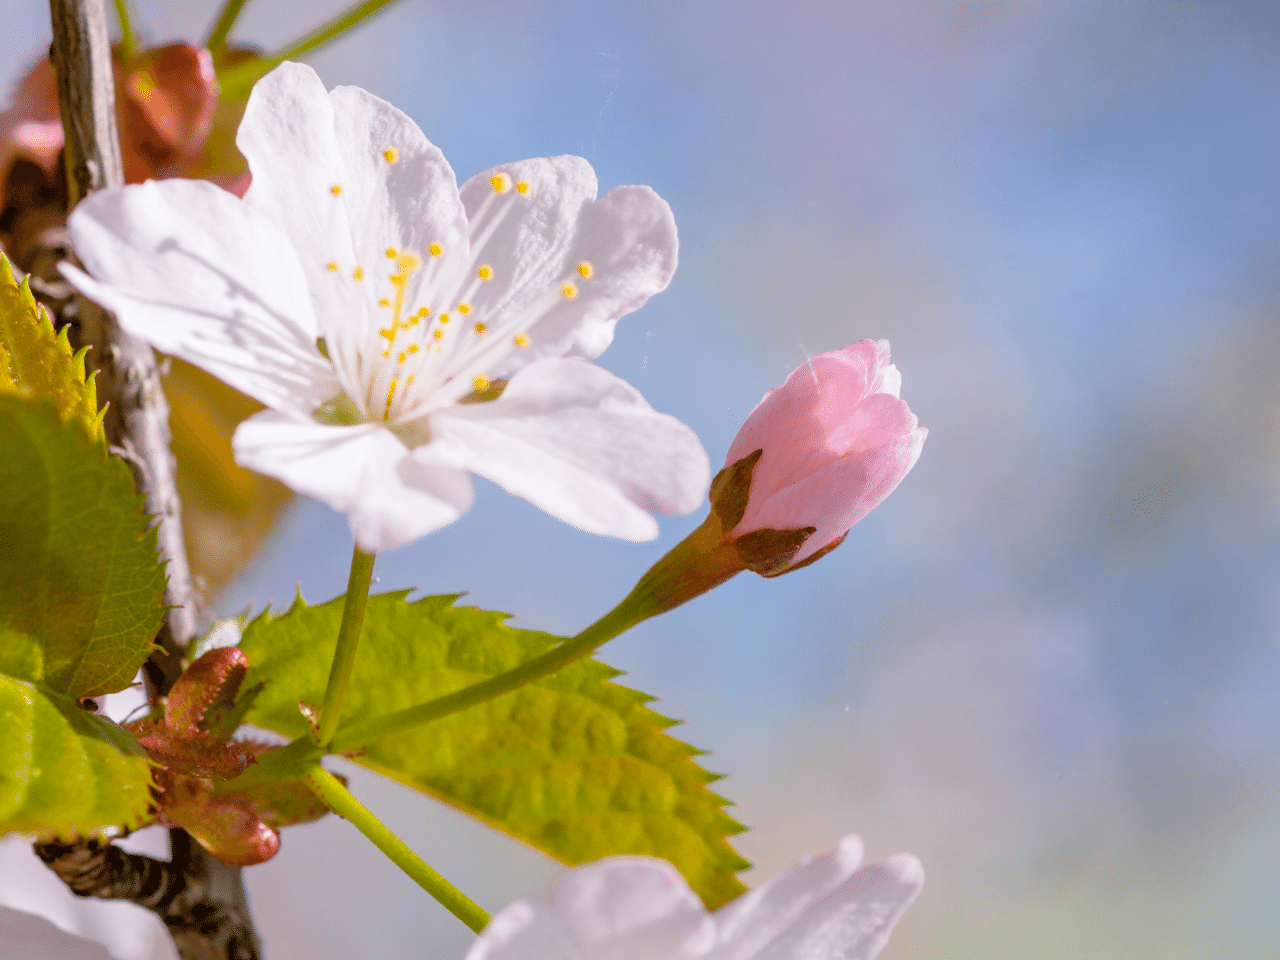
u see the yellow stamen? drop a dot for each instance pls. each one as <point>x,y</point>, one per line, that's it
<point>413,348</point>
<point>485,272</point>
<point>501,183</point>
<point>482,382</point>
<point>391,154</point>
<point>423,312</point>
<point>481,329</point>
<point>522,187</point>
<point>443,318</point>
<point>439,334</point>
<point>391,252</point>
<point>585,269</point>
<point>569,290</point>
<point>391,393</point>
<point>332,265</point>
<point>336,189</point>
<point>384,302</point>
<point>358,274</point>
<point>521,340</point>
<point>464,308</point>
<point>435,249</point>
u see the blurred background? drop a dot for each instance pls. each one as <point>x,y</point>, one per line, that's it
<point>1049,664</point>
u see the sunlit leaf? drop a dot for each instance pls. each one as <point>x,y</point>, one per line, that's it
<point>574,764</point>
<point>37,363</point>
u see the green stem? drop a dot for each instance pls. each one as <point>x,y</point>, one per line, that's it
<point>226,20</point>
<point>338,799</point>
<point>128,39</point>
<point>237,81</point>
<point>694,566</point>
<point>344,655</point>
<point>608,627</point>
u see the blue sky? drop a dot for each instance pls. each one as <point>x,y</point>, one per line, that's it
<point>1049,663</point>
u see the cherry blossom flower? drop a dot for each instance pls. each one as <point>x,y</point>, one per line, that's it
<point>403,333</point>
<point>835,440</point>
<point>638,908</point>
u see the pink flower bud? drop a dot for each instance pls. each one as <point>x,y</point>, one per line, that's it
<point>836,440</point>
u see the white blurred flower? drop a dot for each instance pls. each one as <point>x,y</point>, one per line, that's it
<point>636,908</point>
<point>24,936</point>
<point>402,332</point>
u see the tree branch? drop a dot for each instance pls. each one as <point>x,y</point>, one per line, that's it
<point>201,900</point>
<point>202,909</point>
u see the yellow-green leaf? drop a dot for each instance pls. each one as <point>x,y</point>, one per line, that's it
<point>573,764</point>
<point>64,771</point>
<point>80,602</point>
<point>37,363</point>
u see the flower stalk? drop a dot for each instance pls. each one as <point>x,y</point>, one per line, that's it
<point>222,27</point>
<point>128,39</point>
<point>340,800</point>
<point>692,567</point>
<point>344,655</point>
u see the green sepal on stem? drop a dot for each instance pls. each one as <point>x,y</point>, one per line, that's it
<point>572,763</point>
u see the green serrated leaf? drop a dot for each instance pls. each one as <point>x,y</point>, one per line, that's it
<point>573,764</point>
<point>80,591</point>
<point>64,771</point>
<point>80,581</point>
<point>37,363</point>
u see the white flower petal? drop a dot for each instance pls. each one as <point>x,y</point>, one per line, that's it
<point>629,908</point>
<point>404,204</point>
<point>852,921</point>
<point>524,930</point>
<point>627,240</point>
<point>287,135</point>
<point>24,936</point>
<point>231,300</point>
<point>747,924</point>
<point>580,444</point>
<point>363,471</point>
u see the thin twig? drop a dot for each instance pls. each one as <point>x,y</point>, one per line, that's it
<point>237,80</point>
<point>203,902</point>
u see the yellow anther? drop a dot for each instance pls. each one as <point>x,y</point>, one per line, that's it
<point>522,187</point>
<point>485,272</point>
<point>391,394</point>
<point>332,265</point>
<point>391,252</point>
<point>521,340</point>
<point>482,382</point>
<point>464,308</point>
<point>389,333</point>
<point>391,154</point>
<point>336,189</point>
<point>409,382</point>
<point>438,335</point>
<point>585,269</point>
<point>384,302</point>
<point>569,290</point>
<point>358,274</point>
<point>443,318</point>
<point>402,357</point>
<point>423,312</point>
<point>435,249</point>
<point>501,183</point>
<point>413,348</point>
<point>481,329</point>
